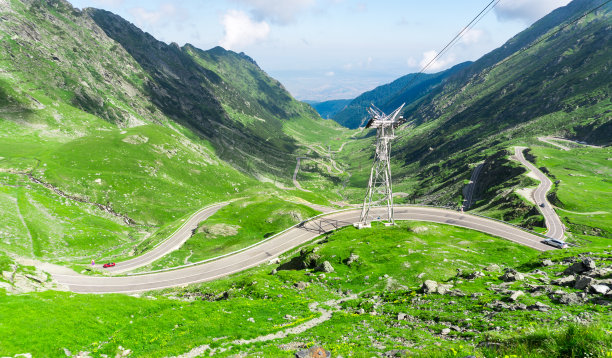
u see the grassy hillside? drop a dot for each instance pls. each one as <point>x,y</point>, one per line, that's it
<point>408,89</point>
<point>328,109</point>
<point>103,148</point>
<point>372,304</point>
<point>551,79</point>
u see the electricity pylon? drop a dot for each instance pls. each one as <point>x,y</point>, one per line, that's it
<point>379,186</point>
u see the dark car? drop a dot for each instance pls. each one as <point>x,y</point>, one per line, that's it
<point>556,243</point>
<point>542,205</point>
<point>110,264</point>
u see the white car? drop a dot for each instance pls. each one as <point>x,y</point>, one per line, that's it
<point>556,243</point>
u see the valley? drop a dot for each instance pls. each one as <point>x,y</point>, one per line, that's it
<point>228,206</point>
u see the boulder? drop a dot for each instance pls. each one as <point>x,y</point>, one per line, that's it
<point>569,299</point>
<point>565,281</point>
<point>474,275</point>
<point>588,264</point>
<point>547,262</point>
<point>498,305</point>
<point>579,267</point>
<point>352,259</point>
<point>538,306</point>
<point>313,352</point>
<point>325,267</point>
<point>443,289</point>
<point>515,295</point>
<point>401,316</point>
<point>492,267</point>
<point>429,286</point>
<point>583,282</point>
<point>300,285</point>
<point>600,289</point>
<point>511,275</point>
<point>599,272</point>
<point>445,331</point>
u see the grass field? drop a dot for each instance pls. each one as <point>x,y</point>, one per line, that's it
<point>238,225</point>
<point>392,263</point>
<point>584,191</point>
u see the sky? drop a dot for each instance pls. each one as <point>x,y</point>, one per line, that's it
<point>333,49</point>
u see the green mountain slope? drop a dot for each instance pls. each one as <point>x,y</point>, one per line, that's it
<point>104,147</point>
<point>407,89</point>
<point>561,85</point>
<point>328,109</point>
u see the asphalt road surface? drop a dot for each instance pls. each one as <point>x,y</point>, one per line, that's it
<point>554,225</point>
<point>292,238</point>
<point>468,190</point>
<point>173,243</point>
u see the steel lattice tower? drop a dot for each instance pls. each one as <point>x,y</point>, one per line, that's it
<point>379,186</point>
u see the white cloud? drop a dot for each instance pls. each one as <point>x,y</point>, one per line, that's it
<point>279,12</point>
<point>439,64</point>
<point>411,62</point>
<point>329,74</point>
<point>240,30</point>
<point>165,14</point>
<point>527,11</point>
<point>472,36</point>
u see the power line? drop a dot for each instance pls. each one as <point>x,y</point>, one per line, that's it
<point>479,17</point>
<point>563,27</point>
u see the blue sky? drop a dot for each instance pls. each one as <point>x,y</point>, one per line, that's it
<point>330,49</point>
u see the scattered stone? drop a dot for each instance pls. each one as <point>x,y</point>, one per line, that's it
<point>538,306</point>
<point>24,355</point>
<point>429,286</point>
<point>325,267</point>
<point>498,305</point>
<point>569,299</point>
<point>547,262</point>
<point>443,289</point>
<point>273,272</point>
<point>300,285</point>
<point>599,272</point>
<point>579,267</point>
<point>353,258</point>
<point>601,289</point>
<point>421,275</point>
<point>67,352</point>
<point>492,268</point>
<point>361,311</point>
<point>565,281</point>
<point>476,295</point>
<point>474,275</point>
<point>515,295</point>
<point>589,264</point>
<point>583,282</point>
<point>445,331</point>
<point>313,352</point>
<point>456,293</point>
<point>456,328</point>
<point>395,353</point>
<point>251,319</point>
<point>520,306</point>
<point>401,316</point>
<point>540,272</point>
<point>511,275</point>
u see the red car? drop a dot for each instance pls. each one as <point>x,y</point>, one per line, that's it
<point>110,264</point>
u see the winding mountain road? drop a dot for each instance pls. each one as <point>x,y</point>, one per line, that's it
<point>175,241</point>
<point>283,242</point>
<point>468,190</point>
<point>554,226</point>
